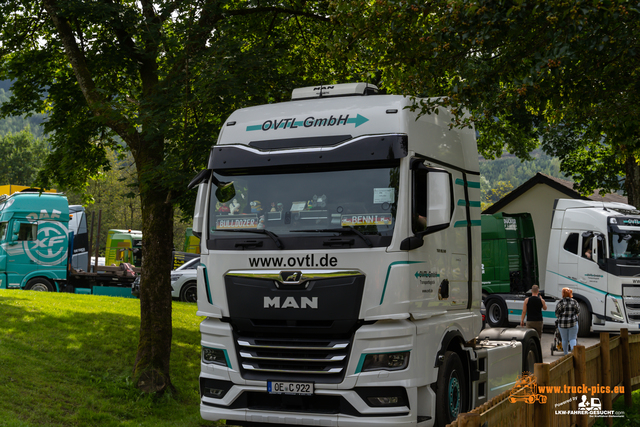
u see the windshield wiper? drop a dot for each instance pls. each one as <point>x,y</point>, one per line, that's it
<point>346,229</point>
<point>271,234</point>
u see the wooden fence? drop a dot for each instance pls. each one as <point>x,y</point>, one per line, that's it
<point>612,363</point>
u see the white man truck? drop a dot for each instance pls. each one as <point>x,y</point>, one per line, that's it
<point>594,249</point>
<point>340,267</point>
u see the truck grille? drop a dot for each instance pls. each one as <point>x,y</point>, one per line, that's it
<point>632,307</point>
<point>299,331</point>
<point>304,359</point>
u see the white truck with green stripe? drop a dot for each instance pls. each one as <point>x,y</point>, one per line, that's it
<point>606,283</point>
<point>340,267</point>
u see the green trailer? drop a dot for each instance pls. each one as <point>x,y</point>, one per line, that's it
<point>509,254</point>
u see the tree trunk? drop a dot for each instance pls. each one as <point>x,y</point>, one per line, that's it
<point>632,181</point>
<point>151,370</point>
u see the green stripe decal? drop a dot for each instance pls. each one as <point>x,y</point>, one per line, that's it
<point>254,127</point>
<point>470,184</point>
<point>226,356</point>
<point>548,314</point>
<point>585,285</point>
<point>474,223</point>
<point>472,203</point>
<point>386,280</point>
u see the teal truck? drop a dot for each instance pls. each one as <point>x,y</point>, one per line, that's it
<point>43,247</point>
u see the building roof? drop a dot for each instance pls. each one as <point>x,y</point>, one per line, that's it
<point>561,185</point>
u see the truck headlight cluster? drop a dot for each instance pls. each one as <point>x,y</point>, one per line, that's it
<point>386,361</point>
<point>614,309</point>
<point>174,277</point>
<point>214,356</point>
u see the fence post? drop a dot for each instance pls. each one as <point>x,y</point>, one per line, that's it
<point>626,368</point>
<point>469,419</point>
<point>580,366</point>
<point>605,367</point>
<point>542,413</point>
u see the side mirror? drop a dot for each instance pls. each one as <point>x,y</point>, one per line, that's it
<point>200,208</point>
<point>15,232</point>
<point>432,205</point>
<point>438,198</point>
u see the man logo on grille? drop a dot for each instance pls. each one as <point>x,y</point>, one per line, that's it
<point>290,277</point>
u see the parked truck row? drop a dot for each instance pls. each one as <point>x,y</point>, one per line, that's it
<point>44,246</point>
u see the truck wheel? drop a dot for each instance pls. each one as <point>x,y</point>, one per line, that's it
<point>531,355</point>
<point>451,397</point>
<point>39,284</point>
<point>189,292</point>
<point>584,320</point>
<point>496,312</point>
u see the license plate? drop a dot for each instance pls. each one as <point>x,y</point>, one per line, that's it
<point>286,387</point>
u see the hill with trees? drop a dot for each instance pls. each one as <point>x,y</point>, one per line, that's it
<point>499,176</point>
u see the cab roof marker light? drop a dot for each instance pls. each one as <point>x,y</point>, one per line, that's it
<point>325,91</point>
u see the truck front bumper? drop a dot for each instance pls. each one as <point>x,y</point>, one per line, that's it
<point>327,407</point>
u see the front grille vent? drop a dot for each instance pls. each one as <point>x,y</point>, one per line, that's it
<point>292,357</point>
<point>632,307</point>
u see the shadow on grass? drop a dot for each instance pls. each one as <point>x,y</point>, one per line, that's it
<point>67,360</point>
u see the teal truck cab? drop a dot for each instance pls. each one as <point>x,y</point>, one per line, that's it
<point>43,246</point>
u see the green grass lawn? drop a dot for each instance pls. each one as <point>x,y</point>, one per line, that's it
<point>67,360</point>
<point>632,414</point>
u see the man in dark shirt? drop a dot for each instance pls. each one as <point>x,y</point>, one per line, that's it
<point>532,308</point>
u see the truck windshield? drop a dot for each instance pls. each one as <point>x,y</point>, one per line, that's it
<point>625,244</point>
<point>308,208</point>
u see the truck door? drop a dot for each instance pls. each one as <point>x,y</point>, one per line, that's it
<point>590,263</point>
<point>20,261</point>
<point>3,257</point>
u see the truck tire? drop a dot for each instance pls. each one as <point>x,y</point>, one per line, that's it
<point>584,320</point>
<point>496,312</point>
<point>530,354</point>
<point>39,284</point>
<point>189,292</point>
<point>451,396</point>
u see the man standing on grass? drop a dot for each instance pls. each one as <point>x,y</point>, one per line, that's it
<point>532,308</point>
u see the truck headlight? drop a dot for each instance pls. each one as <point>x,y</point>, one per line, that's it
<point>385,361</point>
<point>214,356</point>
<point>174,277</point>
<point>614,309</point>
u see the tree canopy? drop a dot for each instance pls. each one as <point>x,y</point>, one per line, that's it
<point>156,79</point>
<point>22,156</point>
<point>563,71</point>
